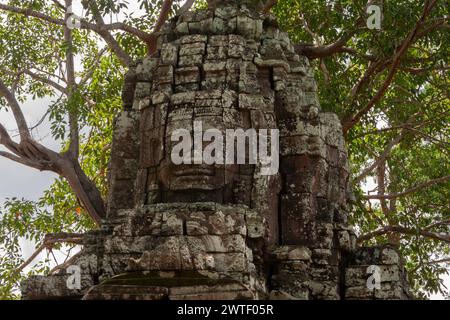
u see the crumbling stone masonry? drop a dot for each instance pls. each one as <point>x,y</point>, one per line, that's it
<point>225,231</point>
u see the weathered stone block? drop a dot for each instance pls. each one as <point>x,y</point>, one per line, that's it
<point>193,49</point>
<point>189,61</point>
<point>143,90</point>
<point>292,253</point>
<point>297,219</point>
<point>187,75</point>
<point>169,54</point>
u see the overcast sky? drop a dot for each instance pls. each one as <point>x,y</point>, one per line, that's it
<point>17,180</point>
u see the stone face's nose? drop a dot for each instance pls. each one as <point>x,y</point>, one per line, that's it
<point>256,4</point>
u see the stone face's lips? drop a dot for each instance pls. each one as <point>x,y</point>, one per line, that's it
<point>195,171</point>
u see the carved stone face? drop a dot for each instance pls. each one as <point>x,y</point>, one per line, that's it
<point>198,182</point>
<point>231,68</point>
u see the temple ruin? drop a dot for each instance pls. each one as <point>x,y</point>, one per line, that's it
<point>225,231</point>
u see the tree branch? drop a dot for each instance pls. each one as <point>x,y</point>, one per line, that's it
<point>381,175</point>
<point>268,5</point>
<point>439,22</point>
<point>322,51</point>
<point>63,237</point>
<point>102,30</point>
<point>163,15</point>
<point>74,134</point>
<point>6,140</point>
<point>314,52</point>
<point>41,166</point>
<point>437,224</point>
<point>409,191</point>
<point>17,111</point>
<point>144,36</point>
<point>411,37</point>
<point>27,148</point>
<point>445,260</point>
<point>49,242</point>
<point>59,5</point>
<point>45,80</point>
<point>373,69</point>
<point>30,259</point>
<point>89,73</point>
<point>358,54</point>
<point>32,13</point>
<point>34,155</point>
<point>406,231</point>
<point>66,264</point>
<point>380,159</point>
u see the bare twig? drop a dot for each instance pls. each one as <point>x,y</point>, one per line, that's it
<point>66,263</point>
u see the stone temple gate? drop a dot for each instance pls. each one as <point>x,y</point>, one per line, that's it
<point>225,231</point>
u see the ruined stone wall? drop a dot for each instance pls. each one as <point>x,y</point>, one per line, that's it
<point>226,231</point>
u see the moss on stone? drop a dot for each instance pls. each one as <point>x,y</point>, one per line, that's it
<point>181,279</point>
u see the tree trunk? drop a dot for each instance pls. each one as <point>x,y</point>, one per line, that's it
<point>83,187</point>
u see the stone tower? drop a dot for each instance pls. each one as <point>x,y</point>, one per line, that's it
<point>225,231</point>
